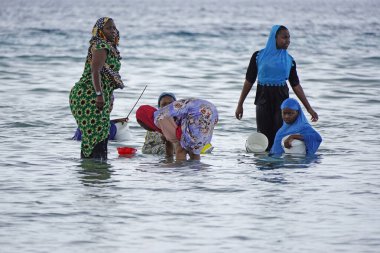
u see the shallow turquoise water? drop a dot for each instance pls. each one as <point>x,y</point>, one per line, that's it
<point>231,200</point>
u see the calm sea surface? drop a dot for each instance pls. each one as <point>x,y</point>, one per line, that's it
<point>231,201</point>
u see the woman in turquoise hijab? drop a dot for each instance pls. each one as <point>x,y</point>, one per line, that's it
<point>296,127</point>
<point>273,67</point>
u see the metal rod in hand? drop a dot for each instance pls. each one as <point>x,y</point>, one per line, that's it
<point>137,101</point>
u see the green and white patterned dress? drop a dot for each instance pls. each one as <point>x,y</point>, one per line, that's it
<point>93,123</point>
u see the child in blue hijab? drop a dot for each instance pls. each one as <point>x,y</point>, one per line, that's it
<point>296,126</point>
<point>273,67</point>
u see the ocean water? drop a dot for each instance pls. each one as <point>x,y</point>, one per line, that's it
<point>52,201</point>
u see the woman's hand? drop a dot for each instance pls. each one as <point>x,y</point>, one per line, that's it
<point>99,102</point>
<point>288,142</point>
<point>301,95</point>
<point>314,115</point>
<point>121,120</point>
<point>244,92</point>
<point>239,112</point>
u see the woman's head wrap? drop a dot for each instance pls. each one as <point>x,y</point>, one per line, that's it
<point>99,40</point>
<point>273,64</point>
<point>145,115</point>
<point>300,126</point>
<point>97,31</point>
<point>166,94</point>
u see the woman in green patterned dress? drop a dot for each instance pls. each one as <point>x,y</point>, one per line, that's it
<point>90,97</point>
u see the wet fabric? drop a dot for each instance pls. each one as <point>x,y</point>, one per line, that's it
<point>99,151</point>
<point>273,64</point>
<point>301,126</point>
<point>196,118</point>
<point>112,133</point>
<point>93,123</point>
<point>268,121</point>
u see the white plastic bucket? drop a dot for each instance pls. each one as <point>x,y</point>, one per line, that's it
<point>298,147</point>
<point>256,142</point>
<point>123,132</point>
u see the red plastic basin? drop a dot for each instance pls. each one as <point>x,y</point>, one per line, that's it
<point>126,150</point>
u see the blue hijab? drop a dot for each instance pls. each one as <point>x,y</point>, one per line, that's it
<point>300,126</point>
<point>273,64</point>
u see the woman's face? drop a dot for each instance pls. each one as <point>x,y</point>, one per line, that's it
<point>289,115</point>
<point>283,39</point>
<point>165,101</point>
<point>110,31</point>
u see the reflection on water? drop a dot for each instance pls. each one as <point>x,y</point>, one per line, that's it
<point>94,172</point>
<point>265,162</point>
<point>172,166</point>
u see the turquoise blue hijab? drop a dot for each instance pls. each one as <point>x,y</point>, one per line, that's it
<point>300,126</point>
<point>273,64</point>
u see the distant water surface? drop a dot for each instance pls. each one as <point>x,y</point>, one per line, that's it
<point>51,201</point>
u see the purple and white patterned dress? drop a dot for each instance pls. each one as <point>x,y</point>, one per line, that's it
<point>197,119</point>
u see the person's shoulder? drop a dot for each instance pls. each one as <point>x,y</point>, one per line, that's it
<point>254,56</point>
<point>293,62</point>
<point>291,57</point>
<point>256,53</point>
